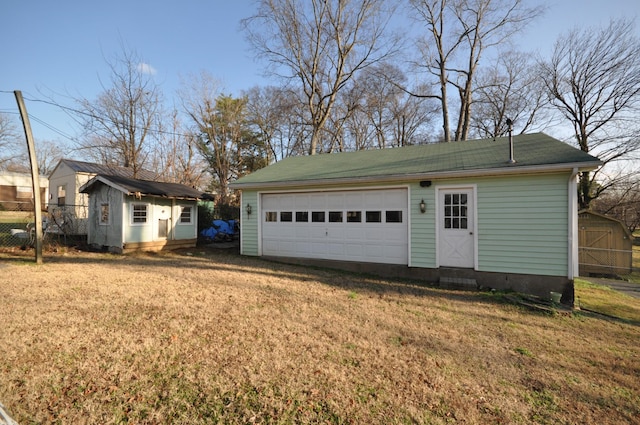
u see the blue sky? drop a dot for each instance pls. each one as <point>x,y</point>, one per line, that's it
<point>59,48</point>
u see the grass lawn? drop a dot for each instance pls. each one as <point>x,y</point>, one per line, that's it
<point>211,337</point>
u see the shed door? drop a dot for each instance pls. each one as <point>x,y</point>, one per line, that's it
<point>456,239</point>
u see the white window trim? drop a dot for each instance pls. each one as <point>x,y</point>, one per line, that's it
<point>185,223</point>
<point>147,218</point>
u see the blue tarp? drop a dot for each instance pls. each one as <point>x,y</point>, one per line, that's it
<point>219,226</point>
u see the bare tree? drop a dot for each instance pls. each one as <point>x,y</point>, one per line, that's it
<point>510,89</point>
<point>8,140</point>
<point>457,34</point>
<point>123,120</point>
<point>593,81</point>
<point>319,46</point>
<point>275,114</point>
<point>391,115</point>
<point>622,201</point>
<point>176,156</point>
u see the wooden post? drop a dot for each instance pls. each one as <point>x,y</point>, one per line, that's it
<point>35,174</point>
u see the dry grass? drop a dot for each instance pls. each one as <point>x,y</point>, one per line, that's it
<point>213,337</point>
<point>603,299</point>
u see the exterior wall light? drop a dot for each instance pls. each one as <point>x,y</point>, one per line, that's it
<point>423,207</point>
<point>248,209</point>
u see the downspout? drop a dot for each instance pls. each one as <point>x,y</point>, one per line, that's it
<point>572,272</point>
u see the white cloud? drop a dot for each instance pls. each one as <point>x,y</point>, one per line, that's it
<point>145,68</point>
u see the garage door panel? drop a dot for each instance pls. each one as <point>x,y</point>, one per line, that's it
<point>379,242</point>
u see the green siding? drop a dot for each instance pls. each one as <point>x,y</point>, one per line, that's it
<point>422,226</point>
<point>523,224</point>
<point>249,223</point>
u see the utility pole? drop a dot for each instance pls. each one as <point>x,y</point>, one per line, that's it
<point>35,174</point>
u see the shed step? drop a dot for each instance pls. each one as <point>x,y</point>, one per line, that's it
<point>458,283</point>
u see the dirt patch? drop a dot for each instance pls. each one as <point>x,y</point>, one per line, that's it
<point>206,336</point>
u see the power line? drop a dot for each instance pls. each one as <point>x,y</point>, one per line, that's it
<point>68,109</point>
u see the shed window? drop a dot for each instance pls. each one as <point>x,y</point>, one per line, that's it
<point>186,214</point>
<point>139,213</point>
<point>104,214</point>
<point>62,191</point>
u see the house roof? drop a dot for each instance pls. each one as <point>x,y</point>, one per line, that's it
<point>107,170</point>
<point>138,187</point>
<point>532,153</point>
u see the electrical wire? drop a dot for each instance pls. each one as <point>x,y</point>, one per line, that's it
<point>68,109</point>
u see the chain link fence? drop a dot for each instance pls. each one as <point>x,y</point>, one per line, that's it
<point>608,262</point>
<point>60,224</point>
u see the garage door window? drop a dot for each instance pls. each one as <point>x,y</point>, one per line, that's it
<point>302,216</point>
<point>335,216</point>
<point>286,216</point>
<point>317,216</point>
<point>374,216</point>
<point>354,216</point>
<point>393,216</point>
<point>271,216</point>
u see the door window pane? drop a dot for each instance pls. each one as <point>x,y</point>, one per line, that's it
<point>455,211</point>
<point>317,216</point>
<point>302,216</point>
<point>271,216</point>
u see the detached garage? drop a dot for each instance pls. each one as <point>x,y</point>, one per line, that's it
<point>460,213</point>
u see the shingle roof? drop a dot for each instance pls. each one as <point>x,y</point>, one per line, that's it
<point>476,157</point>
<point>146,187</point>
<point>107,170</point>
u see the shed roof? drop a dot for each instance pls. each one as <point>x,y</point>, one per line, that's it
<point>107,170</point>
<point>139,187</point>
<point>532,153</point>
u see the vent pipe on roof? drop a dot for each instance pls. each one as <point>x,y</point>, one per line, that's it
<point>510,124</point>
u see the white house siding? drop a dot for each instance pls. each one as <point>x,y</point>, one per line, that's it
<point>523,224</point>
<point>185,231</point>
<point>139,232</point>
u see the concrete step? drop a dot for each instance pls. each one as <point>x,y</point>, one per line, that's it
<point>452,282</point>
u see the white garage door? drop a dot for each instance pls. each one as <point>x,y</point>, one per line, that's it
<point>367,226</point>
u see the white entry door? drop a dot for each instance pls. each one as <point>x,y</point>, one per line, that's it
<point>456,233</point>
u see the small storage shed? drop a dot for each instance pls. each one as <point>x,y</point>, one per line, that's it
<point>459,213</point>
<point>67,203</point>
<point>606,245</point>
<point>128,214</point>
